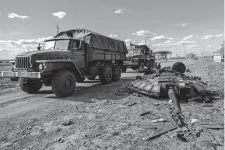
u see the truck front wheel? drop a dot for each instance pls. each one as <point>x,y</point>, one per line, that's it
<point>116,73</point>
<point>105,75</point>
<point>63,83</point>
<point>30,85</point>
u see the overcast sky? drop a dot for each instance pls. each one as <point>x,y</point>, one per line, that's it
<point>188,25</point>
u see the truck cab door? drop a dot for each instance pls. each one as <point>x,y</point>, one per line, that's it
<point>78,53</point>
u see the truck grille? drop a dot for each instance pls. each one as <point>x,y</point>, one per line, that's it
<point>23,62</point>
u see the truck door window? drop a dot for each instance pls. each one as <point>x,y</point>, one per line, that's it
<point>75,44</point>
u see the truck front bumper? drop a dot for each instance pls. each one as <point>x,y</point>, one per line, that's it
<point>21,74</point>
<point>130,63</point>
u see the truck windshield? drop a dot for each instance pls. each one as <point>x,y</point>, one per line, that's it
<point>62,44</point>
<point>56,44</point>
<point>134,52</point>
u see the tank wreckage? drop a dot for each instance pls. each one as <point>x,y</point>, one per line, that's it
<point>172,83</point>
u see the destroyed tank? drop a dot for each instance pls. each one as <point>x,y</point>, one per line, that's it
<point>172,83</point>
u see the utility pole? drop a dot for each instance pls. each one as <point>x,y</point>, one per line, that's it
<point>147,41</point>
<point>57,28</point>
<point>178,51</point>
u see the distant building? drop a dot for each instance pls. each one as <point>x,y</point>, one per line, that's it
<point>219,54</point>
<point>162,55</point>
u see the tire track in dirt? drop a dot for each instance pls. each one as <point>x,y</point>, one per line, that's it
<point>23,105</point>
<point>18,101</point>
<point>8,102</point>
<point>16,96</point>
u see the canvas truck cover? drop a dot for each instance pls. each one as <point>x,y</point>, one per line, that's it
<point>94,39</point>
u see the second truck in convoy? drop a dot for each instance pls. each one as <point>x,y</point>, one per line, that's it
<point>70,57</point>
<point>138,57</point>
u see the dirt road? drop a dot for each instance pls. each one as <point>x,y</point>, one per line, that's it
<point>16,101</point>
<point>95,117</point>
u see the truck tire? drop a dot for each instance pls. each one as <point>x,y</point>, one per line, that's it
<point>30,85</point>
<point>116,73</point>
<point>105,75</point>
<point>91,78</point>
<point>80,79</point>
<point>63,83</point>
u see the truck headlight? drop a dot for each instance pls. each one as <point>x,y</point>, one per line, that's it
<point>41,67</point>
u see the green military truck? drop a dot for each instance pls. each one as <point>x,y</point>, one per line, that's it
<point>138,57</point>
<point>70,57</point>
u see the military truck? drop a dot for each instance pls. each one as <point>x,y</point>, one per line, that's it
<point>67,58</point>
<point>138,57</point>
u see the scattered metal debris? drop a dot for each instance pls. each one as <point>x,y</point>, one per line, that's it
<point>130,103</point>
<point>159,120</point>
<point>188,134</point>
<point>60,140</point>
<point>178,117</point>
<point>193,120</point>
<point>215,126</point>
<point>68,122</point>
<point>158,133</point>
<point>150,115</point>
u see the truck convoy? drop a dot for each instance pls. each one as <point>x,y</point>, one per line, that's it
<point>138,57</point>
<point>70,57</point>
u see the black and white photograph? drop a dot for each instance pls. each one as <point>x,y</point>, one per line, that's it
<point>112,74</point>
